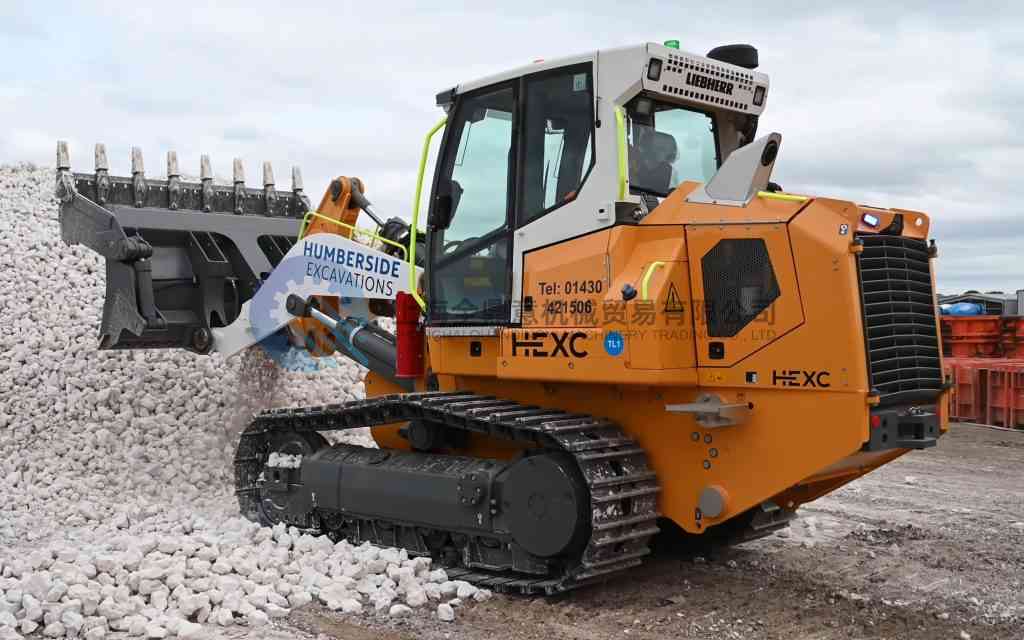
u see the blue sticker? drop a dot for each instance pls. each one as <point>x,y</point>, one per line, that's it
<point>614,343</point>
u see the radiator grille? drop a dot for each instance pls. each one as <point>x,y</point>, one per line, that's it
<point>899,319</point>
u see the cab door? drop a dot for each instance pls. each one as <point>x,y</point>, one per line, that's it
<point>470,258</point>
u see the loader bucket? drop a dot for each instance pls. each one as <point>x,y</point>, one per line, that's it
<point>181,257</point>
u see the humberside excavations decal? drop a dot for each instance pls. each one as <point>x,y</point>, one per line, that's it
<point>372,273</point>
<point>325,264</point>
<point>322,264</point>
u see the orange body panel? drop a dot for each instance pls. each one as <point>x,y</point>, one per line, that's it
<point>675,210</point>
<point>799,366</point>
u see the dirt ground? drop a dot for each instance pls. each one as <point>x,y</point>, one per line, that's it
<point>930,546</point>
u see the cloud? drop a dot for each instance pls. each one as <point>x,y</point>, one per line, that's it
<point>17,23</point>
<point>912,104</point>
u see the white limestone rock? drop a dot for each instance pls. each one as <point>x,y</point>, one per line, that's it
<point>96,633</point>
<point>416,597</point>
<point>445,612</point>
<point>223,617</point>
<point>298,599</point>
<point>190,631</point>
<point>438,576</point>
<point>399,611</point>
<point>256,618</point>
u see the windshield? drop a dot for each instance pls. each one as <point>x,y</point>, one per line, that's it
<point>669,144</point>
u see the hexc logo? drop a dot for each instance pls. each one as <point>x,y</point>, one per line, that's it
<point>800,378</point>
<point>534,344</point>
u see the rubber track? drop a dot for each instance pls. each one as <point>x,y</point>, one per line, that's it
<point>623,488</point>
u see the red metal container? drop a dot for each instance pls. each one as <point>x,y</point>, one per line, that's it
<point>1004,403</point>
<point>966,402</point>
<point>1012,336</point>
<point>987,390</point>
<point>971,336</point>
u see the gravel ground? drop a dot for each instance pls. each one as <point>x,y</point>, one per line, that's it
<point>117,517</point>
<point>117,511</point>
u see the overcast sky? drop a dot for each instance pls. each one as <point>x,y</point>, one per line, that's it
<point>883,103</point>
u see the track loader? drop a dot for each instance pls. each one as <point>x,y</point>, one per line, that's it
<point>611,319</point>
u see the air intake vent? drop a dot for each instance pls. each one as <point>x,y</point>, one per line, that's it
<point>739,283</point>
<point>899,320</point>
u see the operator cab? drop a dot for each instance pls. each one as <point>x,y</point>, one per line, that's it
<point>559,149</point>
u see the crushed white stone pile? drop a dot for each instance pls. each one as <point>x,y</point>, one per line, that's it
<point>220,573</point>
<point>117,512</point>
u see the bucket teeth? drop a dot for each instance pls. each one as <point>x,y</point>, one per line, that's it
<point>173,181</point>
<point>300,203</point>
<point>137,166</point>
<point>138,177</point>
<point>206,177</point>
<point>173,191</point>
<point>239,178</point>
<point>63,156</point>
<point>65,187</point>
<point>101,158</point>
<point>102,174</point>
<point>172,165</point>
<point>269,194</point>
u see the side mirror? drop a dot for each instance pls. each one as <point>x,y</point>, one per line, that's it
<point>440,215</point>
<point>444,206</point>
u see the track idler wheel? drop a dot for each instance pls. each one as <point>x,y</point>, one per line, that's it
<point>281,496</point>
<point>546,505</point>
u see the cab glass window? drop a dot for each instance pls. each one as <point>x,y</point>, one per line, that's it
<point>669,144</point>
<point>470,275</point>
<point>557,138</point>
<point>480,169</point>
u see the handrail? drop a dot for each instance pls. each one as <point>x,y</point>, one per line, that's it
<point>776,195</point>
<point>352,228</point>
<point>620,133</point>
<point>416,213</point>
<point>654,266</point>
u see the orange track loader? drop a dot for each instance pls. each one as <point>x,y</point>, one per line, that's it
<point>612,319</point>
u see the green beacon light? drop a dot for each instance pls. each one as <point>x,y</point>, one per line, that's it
<point>672,44</point>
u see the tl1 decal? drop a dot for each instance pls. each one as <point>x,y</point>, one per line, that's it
<point>801,378</point>
<point>548,344</point>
